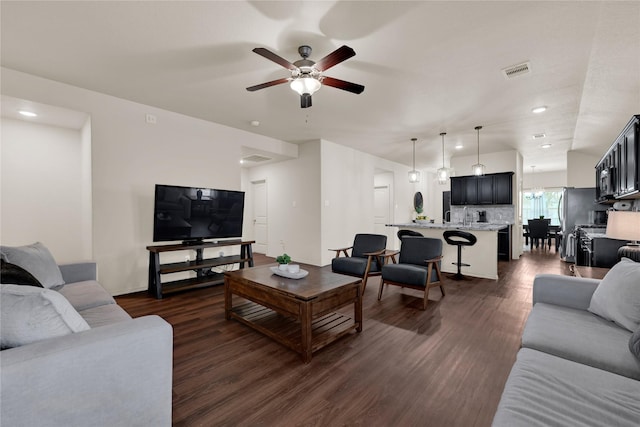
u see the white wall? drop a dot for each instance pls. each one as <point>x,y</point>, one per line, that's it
<point>554,179</point>
<point>44,193</point>
<point>293,203</point>
<point>581,169</point>
<point>129,157</point>
<point>348,181</point>
<point>347,196</point>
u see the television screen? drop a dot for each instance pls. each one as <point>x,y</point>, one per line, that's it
<point>196,213</point>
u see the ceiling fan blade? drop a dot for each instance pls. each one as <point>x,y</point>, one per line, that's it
<point>337,56</point>
<point>341,84</point>
<point>305,100</point>
<point>268,84</point>
<point>275,58</point>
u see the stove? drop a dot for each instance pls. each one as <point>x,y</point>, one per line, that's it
<point>593,248</point>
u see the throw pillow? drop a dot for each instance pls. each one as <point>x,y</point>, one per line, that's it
<point>617,297</point>
<point>11,273</point>
<point>29,314</point>
<point>37,260</point>
<point>634,343</point>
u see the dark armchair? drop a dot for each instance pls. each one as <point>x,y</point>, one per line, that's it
<point>418,267</point>
<point>366,257</point>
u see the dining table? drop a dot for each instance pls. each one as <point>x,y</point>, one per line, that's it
<point>555,232</point>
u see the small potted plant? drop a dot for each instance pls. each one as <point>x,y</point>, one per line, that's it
<point>283,260</point>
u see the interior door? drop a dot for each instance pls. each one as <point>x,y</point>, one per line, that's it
<point>260,219</point>
<point>382,214</point>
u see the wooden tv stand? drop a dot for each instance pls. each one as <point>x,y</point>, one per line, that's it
<point>202,267</point>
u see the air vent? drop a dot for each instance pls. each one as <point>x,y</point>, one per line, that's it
<point>516,70</point>
<point>256,158</point>
<point>539,135</point>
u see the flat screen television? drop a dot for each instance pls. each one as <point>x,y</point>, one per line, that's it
<point>192,214</point>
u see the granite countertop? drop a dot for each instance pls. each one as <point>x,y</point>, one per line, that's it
<point>477,226</point>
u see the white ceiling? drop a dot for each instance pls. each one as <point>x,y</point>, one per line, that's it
<point>427,67</point>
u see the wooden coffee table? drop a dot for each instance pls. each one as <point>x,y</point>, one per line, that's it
<point>589,272</point>
<point>300,314</point>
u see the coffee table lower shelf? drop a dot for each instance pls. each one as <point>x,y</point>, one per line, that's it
<point>288,331</point>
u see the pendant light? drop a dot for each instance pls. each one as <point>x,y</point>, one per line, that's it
<point>443,173</point>
<point>478,168</point>
<point>414,175</point>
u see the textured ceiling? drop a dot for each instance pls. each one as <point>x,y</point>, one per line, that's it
<point>427,67</point>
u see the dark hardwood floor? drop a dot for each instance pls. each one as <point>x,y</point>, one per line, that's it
<point>445,366</point>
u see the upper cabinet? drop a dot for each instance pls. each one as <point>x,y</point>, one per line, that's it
<point>490,189</point>
<point>617,175</point>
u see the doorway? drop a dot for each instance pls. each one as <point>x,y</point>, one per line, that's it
<point>260,218</point>
<point>382,211</point>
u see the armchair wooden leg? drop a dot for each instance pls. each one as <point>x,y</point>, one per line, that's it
<point>380,289</point>
<point>439,274</point>
<point>364,282</point>
<point>426,297</point>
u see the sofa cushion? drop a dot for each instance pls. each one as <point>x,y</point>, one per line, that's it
<point>617,297</point>
<point>544,390</point>
<point>580,336</point>
<point>37,260</point>
<point>16,275</point>
<point>634,343</point>
<point>29,314</point>
<point>104,315</point>
<point>85,295</point>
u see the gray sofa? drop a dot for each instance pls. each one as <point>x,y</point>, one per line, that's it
<point>118,373</point>
<point>574,368</point>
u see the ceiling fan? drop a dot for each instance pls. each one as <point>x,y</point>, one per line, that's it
<point>306,75</point>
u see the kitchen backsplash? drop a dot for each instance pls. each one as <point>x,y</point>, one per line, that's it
<point>502,214</point>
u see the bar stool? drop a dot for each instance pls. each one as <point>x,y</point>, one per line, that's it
<point>459,238</point>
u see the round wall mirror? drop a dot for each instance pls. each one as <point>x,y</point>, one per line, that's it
<point>418,203</point>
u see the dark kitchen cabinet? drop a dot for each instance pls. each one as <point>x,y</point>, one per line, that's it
<point>629,153</point>
<point>617,173</point>
<point>471,190</point>
<point>458,190</point>
<point>503,188</point>
<point>490,189</point>
<point>485,190</point>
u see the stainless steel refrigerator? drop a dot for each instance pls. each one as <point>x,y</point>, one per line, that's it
<point>576,207</point>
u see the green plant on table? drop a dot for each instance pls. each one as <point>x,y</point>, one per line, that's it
<point>283,259</point>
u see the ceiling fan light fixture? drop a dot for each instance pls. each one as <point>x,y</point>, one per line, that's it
<point>305,85</point>
<point>478,169</point>
<point>27,113</point>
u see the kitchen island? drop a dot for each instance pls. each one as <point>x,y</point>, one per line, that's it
<point>482,257</point>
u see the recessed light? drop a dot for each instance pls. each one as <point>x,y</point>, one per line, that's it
<point>27,113</point>
<point>538,110</point>
<point>255,123</point>
<point>545,146</point>
<point>459,146</point>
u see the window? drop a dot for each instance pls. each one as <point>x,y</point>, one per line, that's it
<point>541,204</point>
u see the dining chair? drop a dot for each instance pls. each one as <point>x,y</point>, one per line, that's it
<point>539,232</point>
